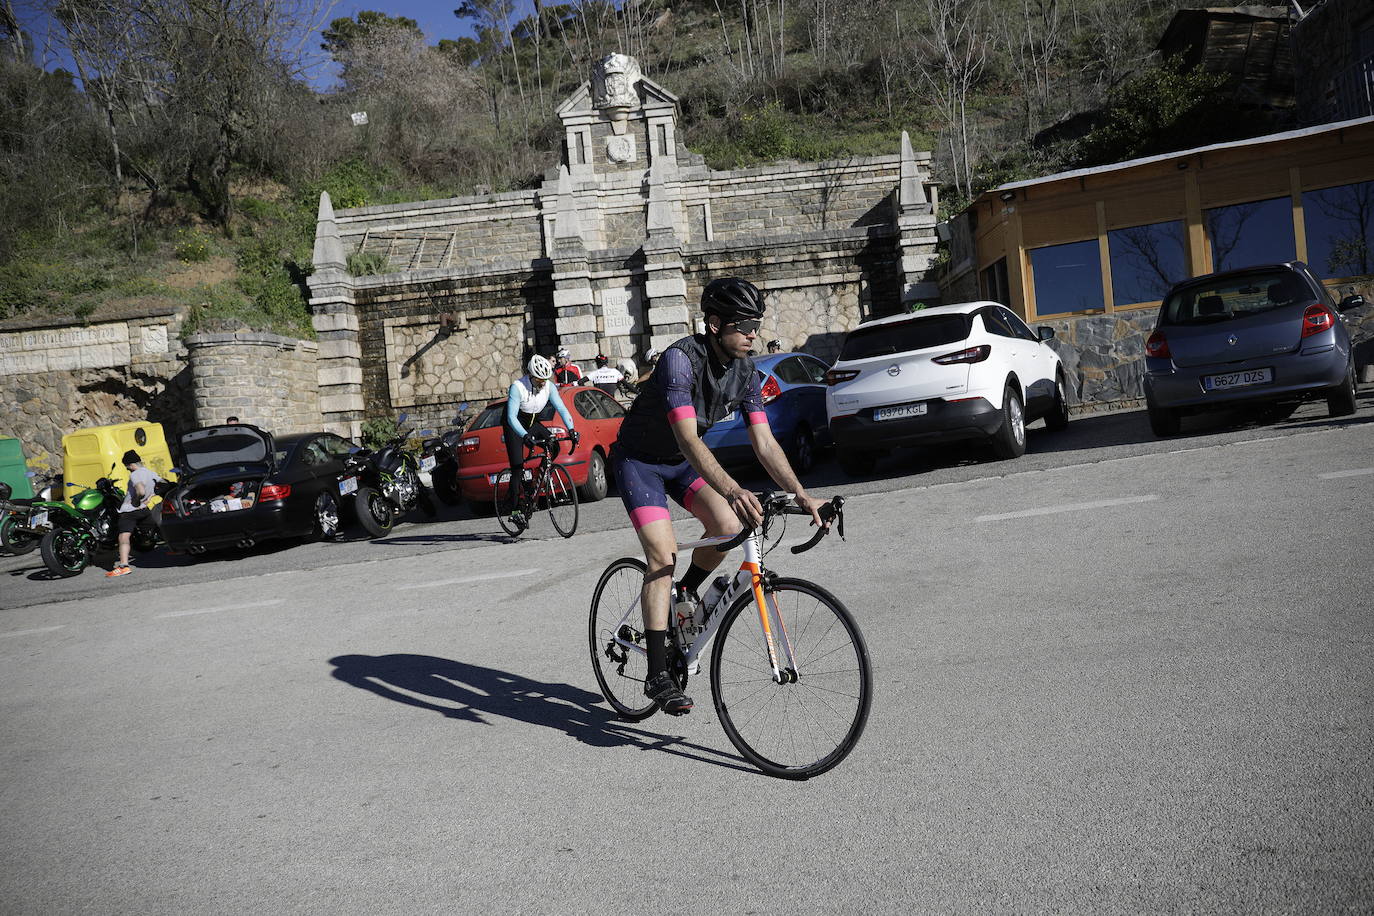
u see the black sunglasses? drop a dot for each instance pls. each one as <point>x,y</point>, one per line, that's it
<point>745,325</point>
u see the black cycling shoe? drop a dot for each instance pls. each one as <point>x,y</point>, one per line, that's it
<point>667,695</point>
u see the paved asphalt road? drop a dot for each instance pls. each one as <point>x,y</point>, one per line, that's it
<point>1125,677</point>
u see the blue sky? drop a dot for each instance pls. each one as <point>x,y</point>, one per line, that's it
<point>435,17</point>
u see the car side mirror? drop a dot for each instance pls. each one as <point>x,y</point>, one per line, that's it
<point>1045,333</point>
<point>1351,302</point>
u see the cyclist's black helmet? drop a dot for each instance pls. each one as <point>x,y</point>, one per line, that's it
<point>732,298</point>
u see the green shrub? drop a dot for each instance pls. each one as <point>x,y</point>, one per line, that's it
<point>367,263</point>
<point>378,431</point>
<point>192,246</point>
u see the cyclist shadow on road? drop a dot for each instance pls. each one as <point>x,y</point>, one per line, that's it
<point>472,693</point>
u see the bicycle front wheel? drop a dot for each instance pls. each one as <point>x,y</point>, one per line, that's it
<point>809,723</point>
<point>559,497</point>
<point>620,670</point>
<point>504,497</point>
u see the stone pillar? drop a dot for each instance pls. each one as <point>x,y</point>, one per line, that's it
<point>573,300</point>
<point>665,286</point>
<point>916,232</point>
<point>263,379</point>
<point>336,325</point>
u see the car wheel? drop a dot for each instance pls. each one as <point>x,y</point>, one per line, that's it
<point>326,517</point>
<point>1058,417</point>
<point>426,501</point>
<point>803,450</point>
<point>597,484</point>
<point>15,541</point>
<point>1341,402</point>
<point>375,512</point>
<point>1010,440</point>
<point>856,462</point>
<point>446,489</point>
<point>1164,421</point>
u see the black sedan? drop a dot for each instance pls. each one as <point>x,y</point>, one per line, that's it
<point>240,485</point>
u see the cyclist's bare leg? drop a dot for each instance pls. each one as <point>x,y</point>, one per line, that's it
<point>718,518</point>
<point>660,556</point>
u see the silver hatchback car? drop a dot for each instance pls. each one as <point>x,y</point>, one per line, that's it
<point>1269,334</point>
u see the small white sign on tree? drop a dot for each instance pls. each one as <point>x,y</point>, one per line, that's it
<point>359,118</point>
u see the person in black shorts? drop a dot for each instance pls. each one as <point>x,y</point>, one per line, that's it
<point>659,453</point>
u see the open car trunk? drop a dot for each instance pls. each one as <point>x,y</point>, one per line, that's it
<point>221,492</point>
<point>226,466</point>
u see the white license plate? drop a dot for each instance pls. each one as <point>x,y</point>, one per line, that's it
<point>348,485</point>
<point>1240,379</point>
<point>427,463</point>
<point>491,478</point>
<point>897,413</point>
<point>38,519</point>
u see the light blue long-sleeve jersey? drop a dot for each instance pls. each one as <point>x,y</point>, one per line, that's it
<point>521,399</point>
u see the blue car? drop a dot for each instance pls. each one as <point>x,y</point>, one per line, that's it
<point>794,399</point>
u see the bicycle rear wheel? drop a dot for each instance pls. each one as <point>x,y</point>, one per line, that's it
<point>799,729</point>
<point>620,671</point>
<point>504,497</point>
<point>559,497</point>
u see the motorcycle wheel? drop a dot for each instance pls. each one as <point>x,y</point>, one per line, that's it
<point>375,512</point>
<point>143,539</point>
<point>446,488</point>
<point>64,553</point>
<point>15,540</point>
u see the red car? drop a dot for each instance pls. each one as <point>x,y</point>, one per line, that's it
<point>482,450</point>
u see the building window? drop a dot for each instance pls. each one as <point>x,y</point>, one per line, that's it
<point>1255,233</point>
<point>1068,278</point>
<point>1339,224</point>
<point>1146,261</point>
<point>993,281</point>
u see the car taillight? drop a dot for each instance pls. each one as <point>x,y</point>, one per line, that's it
<point>1157,346</point>
<point>469,445</point>
<point>836,376</point>
<point>1316,319</point>
<point>771,391</point>
<point>971,355</point>
<point>274,491</point>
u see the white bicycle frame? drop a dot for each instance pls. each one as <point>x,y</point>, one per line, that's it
<point>770,620</point>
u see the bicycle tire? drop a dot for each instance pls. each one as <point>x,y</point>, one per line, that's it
<point>619,673</point>
<point>559,497</point>
<point>503,498</point>
<point>840,693</point>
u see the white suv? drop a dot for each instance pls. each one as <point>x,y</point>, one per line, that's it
<point>967,371</point>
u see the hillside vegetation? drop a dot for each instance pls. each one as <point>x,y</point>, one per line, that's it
<point>183,162</point>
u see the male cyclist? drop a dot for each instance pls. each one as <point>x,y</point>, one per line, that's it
<point>527,396</point>
<point>659,453</point>
<point>566,372</point>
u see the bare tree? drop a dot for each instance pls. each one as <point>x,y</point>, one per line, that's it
<point>951,52</point>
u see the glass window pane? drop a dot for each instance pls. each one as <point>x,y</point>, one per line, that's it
<point>1249,234</point>
<point>1068,278</point>
<point>1146,261</point>
<point>1340,229</point>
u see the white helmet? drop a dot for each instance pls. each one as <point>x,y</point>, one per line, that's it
<point>651,354</point>
<point>562,353</point>
<point>539,367</point>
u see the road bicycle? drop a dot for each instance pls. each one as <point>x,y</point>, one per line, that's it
<point>548,488</point>
<point>792,693</point>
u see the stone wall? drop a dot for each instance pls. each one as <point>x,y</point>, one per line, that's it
<point>486,231</point>
<point>56,379</point>
<point>793,199</point>
<point>263,379</point>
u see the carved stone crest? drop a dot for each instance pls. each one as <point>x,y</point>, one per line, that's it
<point>620,148</point>
<point>614,79</point>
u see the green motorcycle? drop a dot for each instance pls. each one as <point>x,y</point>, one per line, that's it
<point>89,524</point>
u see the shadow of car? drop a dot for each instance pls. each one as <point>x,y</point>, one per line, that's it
<point>597,416</point>
<point>794,400</point>
<point>1266,335</point>
<point>241,486</point>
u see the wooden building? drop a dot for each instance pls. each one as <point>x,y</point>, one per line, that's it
<point>1114,238</point>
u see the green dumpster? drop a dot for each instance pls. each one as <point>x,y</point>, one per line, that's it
<point>13,468</point>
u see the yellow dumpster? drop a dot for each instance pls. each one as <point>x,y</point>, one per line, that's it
<point>89,454</point>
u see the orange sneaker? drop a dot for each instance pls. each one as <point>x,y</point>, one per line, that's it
<point>118,571</point>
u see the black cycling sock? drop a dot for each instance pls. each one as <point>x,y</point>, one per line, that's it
<point>656,644</point>
<point>692,579</point>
